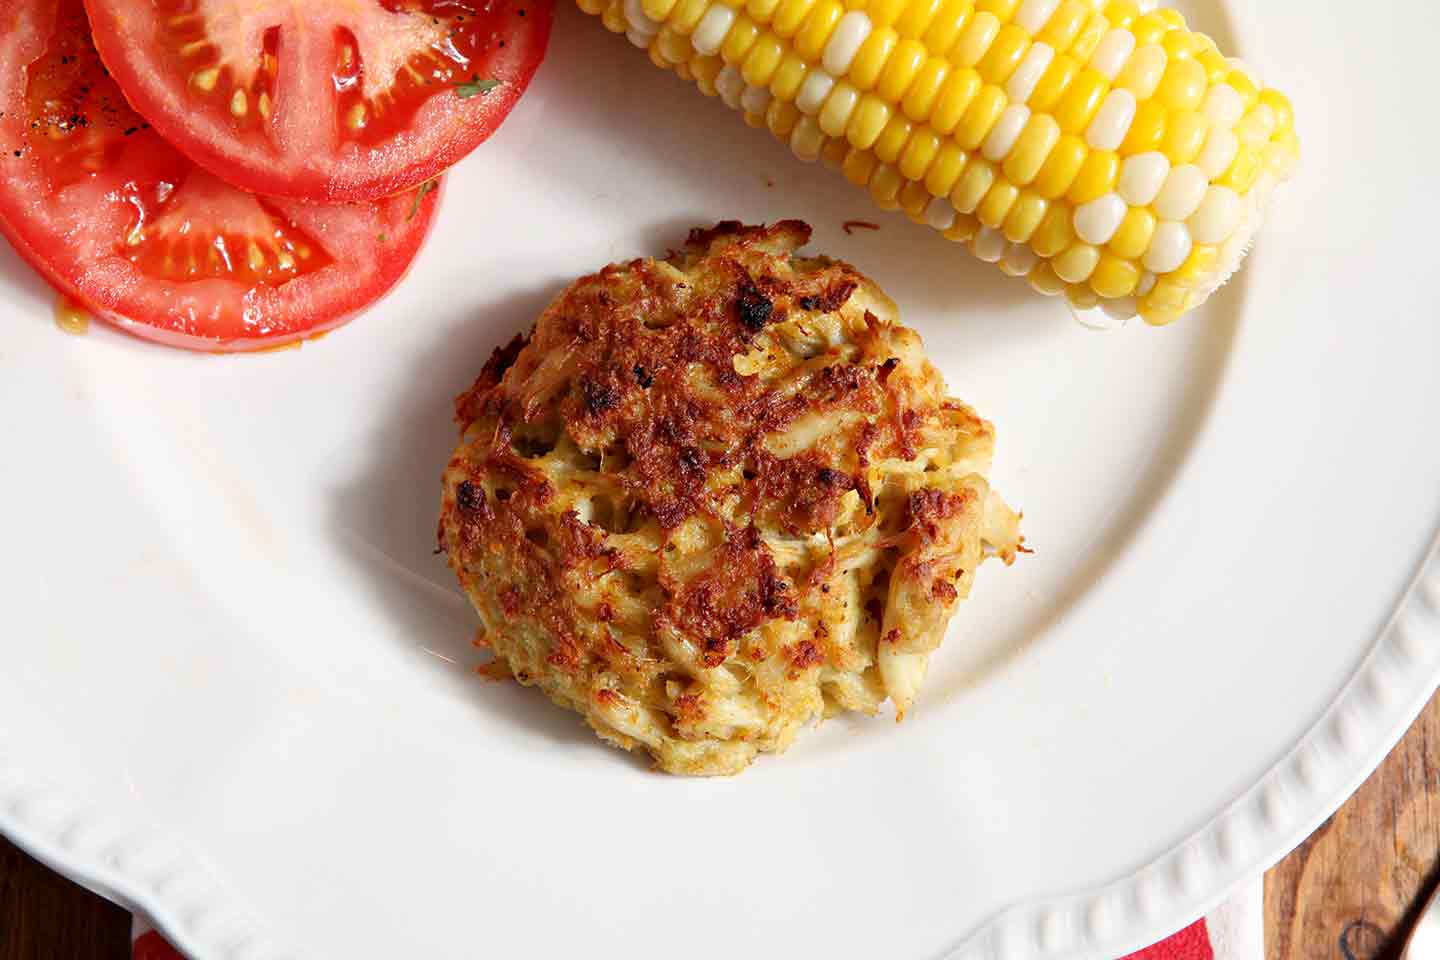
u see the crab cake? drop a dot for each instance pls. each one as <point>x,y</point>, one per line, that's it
<point>710,499</point>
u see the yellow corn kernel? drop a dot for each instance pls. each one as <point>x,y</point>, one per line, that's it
<point>1245,86</point>
<point>1096,178</point>
<point>761,62</point>
<point>1114,277</point>
<point>1089,38</point>
<point>1215,64</point>
<point>964,227</point>
<point>920,151</point>
<point>740,39</point>
<point>920,98</point>
<point>674,47</point>
<point>1003,9</point>
<point>756,120</point>
<point>789,16</point>
<point>810,41</point>
<point>1133,238</point>
<point>1060,169</point>
<point>974,183</point>
<point>1065,25</point>
<point>1185,134</point>
<point>658,10</point>
<point>762,11</point>
<point>835,114</point>
<point>892,140</point>
<point>1025,216</point>
<point>1173,17</point>
<point>1077,107</point>
<point>1044,281</point>
<point>997,203</point>
<point>1147,130</point>
<point>1164,304</point>
<point>960,91</point>
<point>593,7</point>
<point>682,70</point>
<point>866,122</point>
<point>914,198</point>
<point>1182,44</point>
<point>901,69</point>
<point>859,166</point>
<point>1284,112</point>
<point>976,39</point>
<point>870,59</point>
<point>781,117</point>
<point>1081,297</point>
<point>1039,137</point>
<point>1183,85</point>
<point>614,19</point>
<point>1150,28</point>
<point>705,70</point>
<point>1200,267</point>
<point>788,77</point>
<point>885,187</point>
<point>686,14</point>
<point>657,56</point>
<point>939,30</point>
<point>832,154</point>
<point>1244,171</point>
<point>1055,231</point>
<point>1052,84</point>
<point>884,13</point>
<point>1142,73</point>
<point>949,164</point>
<point>984,110</point>
<point>1004,54</point>
<point>1122,13</point>
<point>1077,263</point>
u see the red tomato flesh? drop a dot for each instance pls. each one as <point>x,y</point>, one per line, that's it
<point>323,99</point>
<point>123,223</point>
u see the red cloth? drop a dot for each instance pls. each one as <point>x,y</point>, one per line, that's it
<point>1192,943</point>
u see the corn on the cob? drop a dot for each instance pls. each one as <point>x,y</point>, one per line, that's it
<point>1103,152</point>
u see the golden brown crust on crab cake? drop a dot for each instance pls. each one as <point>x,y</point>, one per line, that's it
<point>712,498</point>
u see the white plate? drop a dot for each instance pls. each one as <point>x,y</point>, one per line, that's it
<point>237,686</point>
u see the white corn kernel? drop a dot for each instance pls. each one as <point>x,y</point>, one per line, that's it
<point>1034,14</point>
<point>1142,176</point>
<point>1217,217</point>
<point>940,214</point>
<point>813,90</point>
<point>1146,284</point>
<point>1111,53</point>
<point>1120,309</point>
<point>641,40</point>
<point>1219,152</point>
<point>1006,131</point>
<point>1019,259</point>
<point>639,21</point>
<point>710,32</point>
<point>1112,121</point>
<point>755,99</point>
<point>1097,221</point>
<point>1027,75</point>
<point>845,42</point>
<point>730,85</point>
<point>1184,189</point>
<point>1257,126</point>
<point>1223,106</point>
<point>988,245</point>
<point>1169,248</point>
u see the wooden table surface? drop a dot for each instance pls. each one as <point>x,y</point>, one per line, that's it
<point>1348,893</point>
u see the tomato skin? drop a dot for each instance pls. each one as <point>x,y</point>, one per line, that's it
<point>444,130</point>
<point>76,216</point>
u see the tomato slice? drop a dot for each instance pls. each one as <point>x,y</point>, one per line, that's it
<point>123,223</point>
<point>323,99</point>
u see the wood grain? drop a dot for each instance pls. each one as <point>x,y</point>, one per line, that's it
<point>43,916</point>
<point>1350,892</point>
